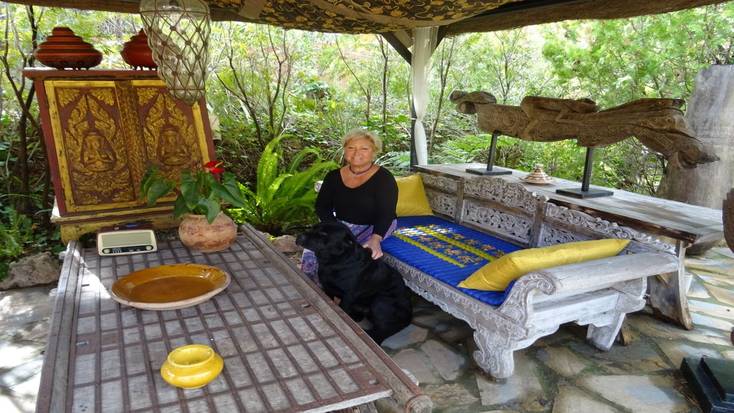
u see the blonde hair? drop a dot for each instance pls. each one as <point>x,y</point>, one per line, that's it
<point>363,134</point>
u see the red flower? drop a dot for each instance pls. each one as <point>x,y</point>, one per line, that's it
<point>213,167</point>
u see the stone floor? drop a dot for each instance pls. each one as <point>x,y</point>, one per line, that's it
<point>557,374</point>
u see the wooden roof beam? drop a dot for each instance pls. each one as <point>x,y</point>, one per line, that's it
<point>531,12</point>
<point>399,45</point>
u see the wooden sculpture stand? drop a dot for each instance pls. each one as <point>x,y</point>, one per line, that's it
<point>103,129</point>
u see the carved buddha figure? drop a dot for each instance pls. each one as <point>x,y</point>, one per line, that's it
<point>172,149</point>
<point>96,152</point>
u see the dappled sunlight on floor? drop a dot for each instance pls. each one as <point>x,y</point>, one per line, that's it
<point>24,320</point>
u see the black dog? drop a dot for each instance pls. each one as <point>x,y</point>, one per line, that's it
<point>366,288</point>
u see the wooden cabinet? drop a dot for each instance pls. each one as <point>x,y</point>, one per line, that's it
<point>103,129</point>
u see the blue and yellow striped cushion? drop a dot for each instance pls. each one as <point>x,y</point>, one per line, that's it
<point>447,251</point>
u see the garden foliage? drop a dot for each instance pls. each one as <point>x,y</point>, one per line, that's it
<point>267,83</point>
<point>284,196</point>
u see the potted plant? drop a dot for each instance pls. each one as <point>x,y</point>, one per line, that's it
<point>201,195</point>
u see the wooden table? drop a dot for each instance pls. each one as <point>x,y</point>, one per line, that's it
<point>286,347</point>
<point>675,222</point>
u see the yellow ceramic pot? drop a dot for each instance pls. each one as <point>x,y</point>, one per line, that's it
<point>191,366</point>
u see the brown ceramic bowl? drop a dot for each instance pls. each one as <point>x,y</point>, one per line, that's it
<point>62,50</point>
<point>137,53</point>
<point>169,287</point>
<point>69,59</point>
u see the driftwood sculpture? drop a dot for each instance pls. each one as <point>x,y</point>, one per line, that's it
<point>657,123</point>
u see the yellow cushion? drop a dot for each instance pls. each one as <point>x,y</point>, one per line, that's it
<point>496,275</point>
<point>412,198</point>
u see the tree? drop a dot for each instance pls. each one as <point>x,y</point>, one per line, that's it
<point>364,86</point>
<point>257,73</point>
<point>617,61</point>
<point>444,66</point>
<point>24,93</point>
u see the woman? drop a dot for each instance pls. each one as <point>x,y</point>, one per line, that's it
<point>360,194</point>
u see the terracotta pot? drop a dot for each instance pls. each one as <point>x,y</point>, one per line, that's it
<point>197,233</point>
<point>137,53</point>
<point>64,50</point>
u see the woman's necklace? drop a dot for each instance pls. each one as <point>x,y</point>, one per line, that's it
<point>361,172</point>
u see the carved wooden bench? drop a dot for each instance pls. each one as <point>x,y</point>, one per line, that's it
<point>596,293</point>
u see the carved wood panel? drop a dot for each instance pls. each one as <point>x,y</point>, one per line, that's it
<point>509,194</point>
<point>441,203</point>
<point>440,182</point>
<point>91,144</point>
<point>499,222</point>
<point>564,225</point>
<point>105,133</point>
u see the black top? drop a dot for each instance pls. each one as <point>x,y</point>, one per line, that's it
<point>372,203</point>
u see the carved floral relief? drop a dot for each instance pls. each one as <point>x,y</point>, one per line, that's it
<point>107,132</point>
<point>94,146</point>
<point>169,133</point>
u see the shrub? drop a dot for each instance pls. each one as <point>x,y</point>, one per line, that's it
<point>283,197</point>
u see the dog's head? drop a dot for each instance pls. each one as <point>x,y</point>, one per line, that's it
<point>329,239</point>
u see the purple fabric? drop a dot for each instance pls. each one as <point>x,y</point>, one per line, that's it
<point>309,264</point>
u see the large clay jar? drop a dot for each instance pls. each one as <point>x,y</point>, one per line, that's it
<point>64,50</point>
<point>197,233</point>
<point>137,53</point>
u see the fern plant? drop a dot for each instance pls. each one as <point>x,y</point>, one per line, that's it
<point>284,197</point>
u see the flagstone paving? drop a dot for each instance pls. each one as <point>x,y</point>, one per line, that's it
<point>558,374</point>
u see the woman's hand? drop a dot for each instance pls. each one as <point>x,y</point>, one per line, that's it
<point>374,244</point>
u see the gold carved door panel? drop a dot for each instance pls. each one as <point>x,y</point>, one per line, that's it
<point>107,133</point>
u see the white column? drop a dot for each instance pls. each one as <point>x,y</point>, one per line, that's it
<point>423,46</point>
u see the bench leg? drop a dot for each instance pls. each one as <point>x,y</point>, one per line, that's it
<point>494,355</point>
<point>668,293</point>
<point>603,337</point>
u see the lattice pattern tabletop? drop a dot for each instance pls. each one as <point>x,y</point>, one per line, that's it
<point>286,348</point>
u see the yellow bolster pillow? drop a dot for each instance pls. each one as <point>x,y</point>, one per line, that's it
<point>412,198</point>
<point>496,275</point>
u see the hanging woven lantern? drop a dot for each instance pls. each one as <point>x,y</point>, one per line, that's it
<point>178,34</point>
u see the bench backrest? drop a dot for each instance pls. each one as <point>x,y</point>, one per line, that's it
<point>512,212</point>
<point>504,209</point>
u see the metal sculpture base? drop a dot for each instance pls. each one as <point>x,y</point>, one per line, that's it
<point>585,191</point>
<point>712,381</point>
<point>490,169</point>
<point>580,193</point>
<point>488,172</point>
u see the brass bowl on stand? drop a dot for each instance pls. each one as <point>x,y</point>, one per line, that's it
<point>538,176</point>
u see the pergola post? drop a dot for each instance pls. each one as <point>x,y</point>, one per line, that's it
<point>424,43</point>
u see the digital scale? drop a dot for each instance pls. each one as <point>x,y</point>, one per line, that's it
<point>126,241</point>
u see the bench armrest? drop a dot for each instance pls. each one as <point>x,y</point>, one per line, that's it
<point>583,277</point>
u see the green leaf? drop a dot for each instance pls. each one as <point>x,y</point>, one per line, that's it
<point>189,190</point>
<point>229,191</point>
<point>147,180</point>
<point>300,156</point>
<point>180,207</point>
<point>267,167</point>
<point>212,209</point>
<point>158,189</point>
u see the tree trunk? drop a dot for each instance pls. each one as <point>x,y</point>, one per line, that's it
<point>709,115</point>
